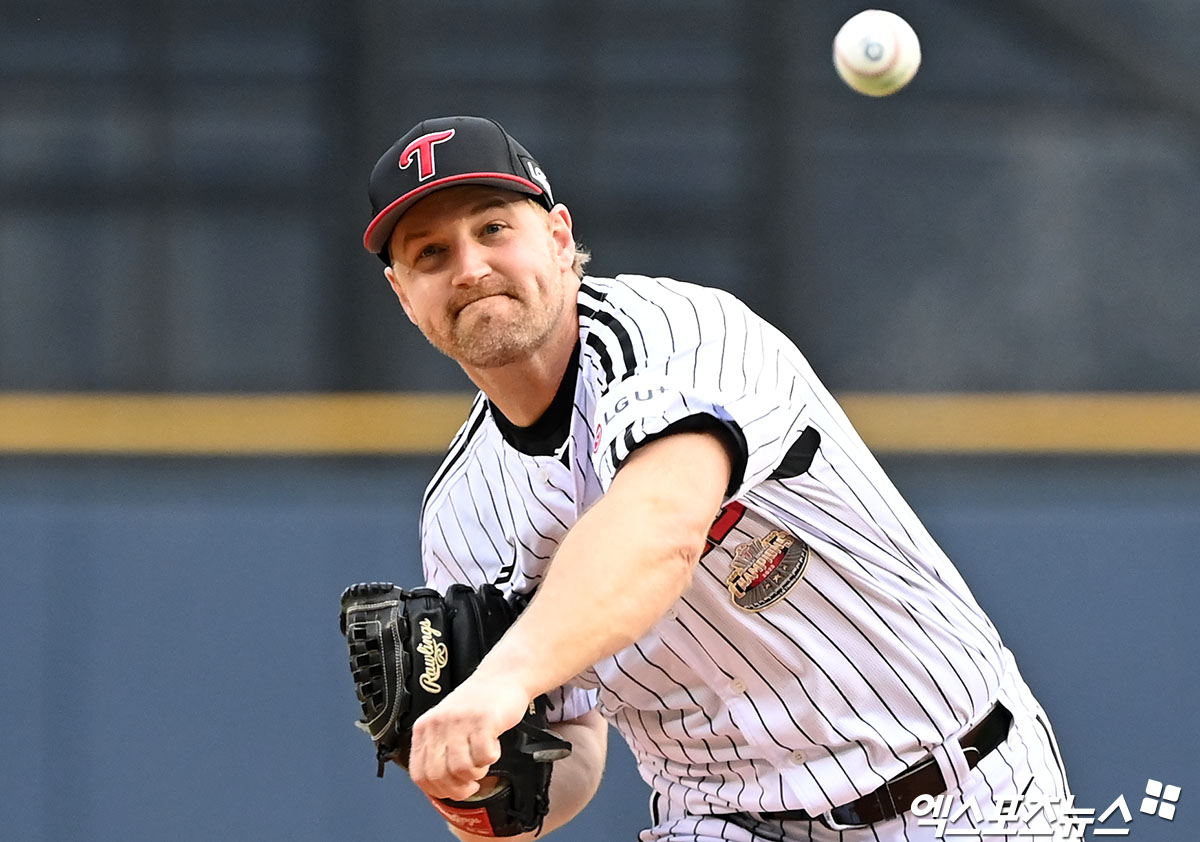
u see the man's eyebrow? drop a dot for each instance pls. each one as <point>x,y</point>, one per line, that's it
<point>490,202</point>
<point>412,235</point>
<point>479,207</point>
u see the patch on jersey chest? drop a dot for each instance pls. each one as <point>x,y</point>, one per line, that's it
<point>765,569</point>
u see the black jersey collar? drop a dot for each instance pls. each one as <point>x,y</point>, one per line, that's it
<point>545,436</point>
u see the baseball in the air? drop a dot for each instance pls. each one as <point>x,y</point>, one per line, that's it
<point>876,52</point>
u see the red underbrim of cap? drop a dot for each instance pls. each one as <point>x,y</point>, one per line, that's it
<point>381,226</point>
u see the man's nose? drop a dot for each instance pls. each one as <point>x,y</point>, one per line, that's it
<point>470,263</point>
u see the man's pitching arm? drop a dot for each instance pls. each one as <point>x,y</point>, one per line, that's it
<point>618,571</point>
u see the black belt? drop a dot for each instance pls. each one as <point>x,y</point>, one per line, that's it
<point>896,796</point>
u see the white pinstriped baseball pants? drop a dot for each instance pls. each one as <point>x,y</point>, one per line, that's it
<point>1025,767</point>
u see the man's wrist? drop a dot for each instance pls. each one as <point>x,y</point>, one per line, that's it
<point>509,666</point>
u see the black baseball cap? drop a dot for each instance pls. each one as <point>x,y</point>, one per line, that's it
<point>447,152</point>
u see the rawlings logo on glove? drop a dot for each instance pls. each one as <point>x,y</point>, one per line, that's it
<point>437,656</point>
<point>407,650</point>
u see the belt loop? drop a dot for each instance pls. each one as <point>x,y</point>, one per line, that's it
<point>884,800</point>
<point>830,822</point>
<point>888,803</point>
<point>952,762</point>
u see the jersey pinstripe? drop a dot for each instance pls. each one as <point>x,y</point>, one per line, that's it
<point>850,672</point>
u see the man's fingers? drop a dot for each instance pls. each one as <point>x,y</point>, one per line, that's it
<point>485,750</point>
<point>468,761</point>
<point>450,758</point>
<point>459,785</point>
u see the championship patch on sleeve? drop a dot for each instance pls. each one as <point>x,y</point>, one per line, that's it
<point>765,569</point>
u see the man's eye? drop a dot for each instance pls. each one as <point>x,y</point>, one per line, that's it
<point>427,252</point>
<point>493,228</point>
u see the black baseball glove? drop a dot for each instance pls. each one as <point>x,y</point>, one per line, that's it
<point>408,650</point>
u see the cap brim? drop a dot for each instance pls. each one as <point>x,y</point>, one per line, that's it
<point>381,227</point>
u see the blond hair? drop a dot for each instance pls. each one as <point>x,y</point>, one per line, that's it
<point>582,257</point>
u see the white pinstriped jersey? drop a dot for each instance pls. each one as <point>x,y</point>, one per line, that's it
<point>825,644</point>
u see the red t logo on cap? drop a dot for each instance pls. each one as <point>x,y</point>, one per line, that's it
<point>422,149</point>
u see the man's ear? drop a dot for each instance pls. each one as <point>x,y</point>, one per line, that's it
<point>392,279</point>
<point>561,230</point>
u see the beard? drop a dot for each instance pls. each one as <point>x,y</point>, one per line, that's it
<point>497,329</point>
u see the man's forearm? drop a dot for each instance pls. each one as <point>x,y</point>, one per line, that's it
<point>620,568</point>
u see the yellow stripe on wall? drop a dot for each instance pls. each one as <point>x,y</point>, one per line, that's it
<point>1028,422</point>
<point>414,424</point>
<point>230,424</point>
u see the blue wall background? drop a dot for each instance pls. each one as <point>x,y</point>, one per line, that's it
<point>172,668</point>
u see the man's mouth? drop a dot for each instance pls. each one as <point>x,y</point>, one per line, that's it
<point>462,307</point>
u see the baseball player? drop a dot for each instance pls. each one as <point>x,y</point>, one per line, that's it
<point>721,570</point>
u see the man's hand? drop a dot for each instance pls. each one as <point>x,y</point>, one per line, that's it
<point>455,743</point>
<point>576,778</point>
<point>410,652</point>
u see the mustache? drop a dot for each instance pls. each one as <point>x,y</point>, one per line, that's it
<point>467,298</point>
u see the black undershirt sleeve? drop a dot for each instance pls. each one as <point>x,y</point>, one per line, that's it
<point>729,432</point>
